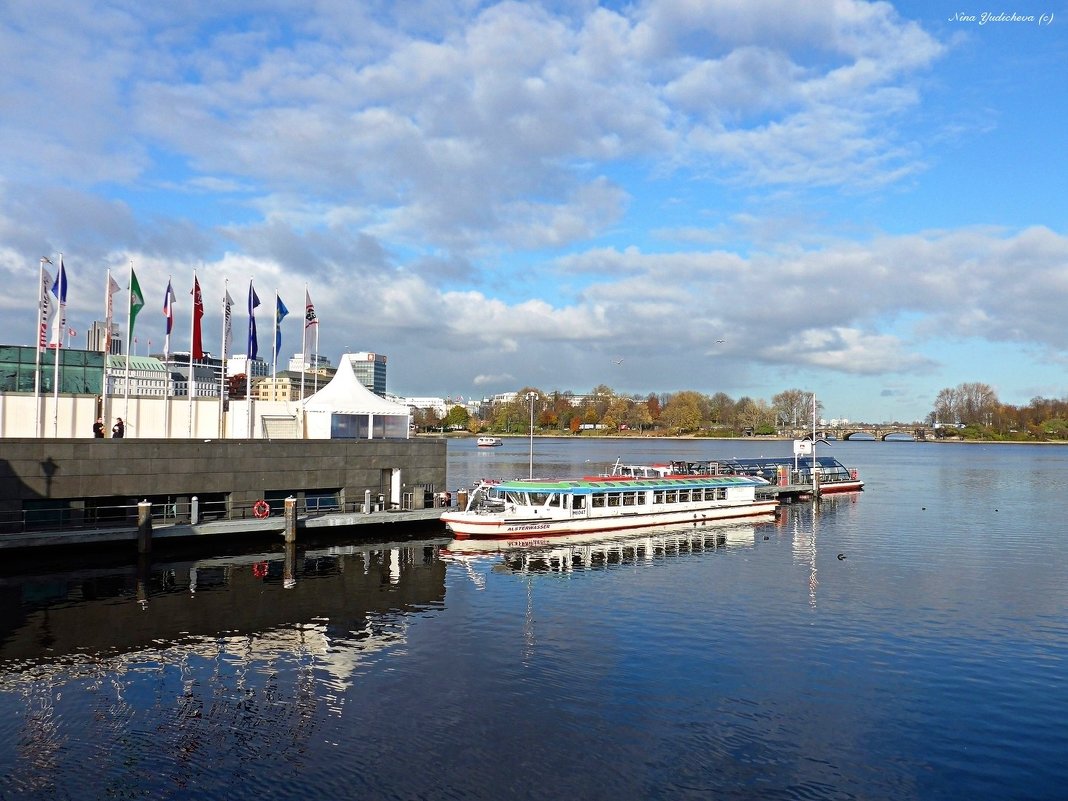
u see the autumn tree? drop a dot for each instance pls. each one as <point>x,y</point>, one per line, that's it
<point>456,417</point>
<point>682,412</point>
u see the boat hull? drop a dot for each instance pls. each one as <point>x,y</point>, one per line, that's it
<point>479,525</point>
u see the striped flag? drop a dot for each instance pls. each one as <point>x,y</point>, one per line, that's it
<point>168,312</point>
<point>59,290</point>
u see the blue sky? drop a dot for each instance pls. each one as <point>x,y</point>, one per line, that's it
<point>864,200</point>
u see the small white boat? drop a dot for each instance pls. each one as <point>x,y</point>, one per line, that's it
<point>489,442</point>
<point>521,509</point>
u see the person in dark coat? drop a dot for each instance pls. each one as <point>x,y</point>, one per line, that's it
<point>118,431</point>
<point>98,428</point>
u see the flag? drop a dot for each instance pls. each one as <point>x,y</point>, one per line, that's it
<point>309,311</point>
<point>48,308</point>
<point>59,289</point>
<point>109,310</point>
<point>253,303</point>
<point>109,303</point>
<point>228,332</point>
<point>198,313</point>
<point>137,300</point>
<point>280,312</point>
<point>168,312</point>
<point>71,333</point>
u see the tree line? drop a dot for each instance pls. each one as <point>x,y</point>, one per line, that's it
<point>607,411</point>
<point>976,413</point>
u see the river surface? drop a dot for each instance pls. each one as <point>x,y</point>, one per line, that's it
<point>907,642</point>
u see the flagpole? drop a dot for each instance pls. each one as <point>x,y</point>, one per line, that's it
<point>249,356</point>
<point>129,336</point>
<point>315,379</point>
<point>61,323</point>
<point>169,311</point>
<point>103,412</point>
<point>41,297</point>
<point>192,334</point>
<point>223,355</point>
<point>304,345</point>
<point>274,359</point>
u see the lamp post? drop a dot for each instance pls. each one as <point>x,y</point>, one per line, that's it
<point>531,396</point>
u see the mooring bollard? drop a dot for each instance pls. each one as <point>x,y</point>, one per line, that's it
<point>194,510</point>
<point>367,502</point>
<point>144,527</point>
<point>291,519</point>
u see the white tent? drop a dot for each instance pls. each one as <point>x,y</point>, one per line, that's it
<point>346,409</point>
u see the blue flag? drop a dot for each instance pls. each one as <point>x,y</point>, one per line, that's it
<point>253,345</point>
<point>279,313</point>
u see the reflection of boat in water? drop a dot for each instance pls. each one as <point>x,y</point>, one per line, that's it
<point>585,551</point>
<point>525,509</point>
<point>489,442</point>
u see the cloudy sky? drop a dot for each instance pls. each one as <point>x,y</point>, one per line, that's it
<point>865,200</point>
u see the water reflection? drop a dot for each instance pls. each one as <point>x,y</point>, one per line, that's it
<point>273,602</point>
<point>163,673</point>
<point>564,554</point>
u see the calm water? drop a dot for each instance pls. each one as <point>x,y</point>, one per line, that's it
<point>747,661</point>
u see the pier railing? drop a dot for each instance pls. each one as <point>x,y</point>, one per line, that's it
<point>118,516</point>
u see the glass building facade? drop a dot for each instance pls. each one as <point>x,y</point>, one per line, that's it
<point>81,372</point>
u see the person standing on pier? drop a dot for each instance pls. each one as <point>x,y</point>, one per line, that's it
<point>118,431</point>
<point>98,428</point>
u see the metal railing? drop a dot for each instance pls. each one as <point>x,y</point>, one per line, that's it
<point>171,511</point>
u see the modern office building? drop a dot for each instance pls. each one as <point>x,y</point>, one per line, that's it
<point>97,336</point>
<point>370,370</point>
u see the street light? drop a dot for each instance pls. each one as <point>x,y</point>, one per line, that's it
<point>531,396</point>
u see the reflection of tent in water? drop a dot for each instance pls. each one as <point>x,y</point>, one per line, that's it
<point>346,409</point>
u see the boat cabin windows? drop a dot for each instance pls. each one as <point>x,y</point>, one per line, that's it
<point>599,500</point>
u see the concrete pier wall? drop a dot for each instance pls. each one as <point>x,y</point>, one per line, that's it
<point>42,473</point>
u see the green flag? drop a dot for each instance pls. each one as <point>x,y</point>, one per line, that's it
<point>137,300</point>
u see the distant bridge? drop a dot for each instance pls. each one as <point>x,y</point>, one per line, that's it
<point>879,431</point>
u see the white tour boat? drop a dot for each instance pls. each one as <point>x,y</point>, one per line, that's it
<point>523,508</point>
<point>489,442</point>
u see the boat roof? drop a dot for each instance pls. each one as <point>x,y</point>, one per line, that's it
<point>802,460</point>
<point>598,484</point>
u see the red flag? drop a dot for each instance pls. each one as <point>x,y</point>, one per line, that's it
<point>198,314</point>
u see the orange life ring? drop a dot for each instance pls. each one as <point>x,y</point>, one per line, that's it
<point>261,509</point>
<point>259,570</point>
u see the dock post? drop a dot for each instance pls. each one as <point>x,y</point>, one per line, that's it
<point>291,519</point>
<point>367,502</point>
<point>194,510</point>
<point>144,527</point>
<point>289,566</point>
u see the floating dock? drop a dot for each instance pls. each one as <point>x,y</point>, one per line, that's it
<point>269,529</point>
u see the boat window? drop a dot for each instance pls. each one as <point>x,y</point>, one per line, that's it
<point>597,500</point>
<point>518,498</point>
<point>613,498</point>
<point>658,496</point>
<point>578,501</point>
<point>554,499</point>
<point>671,496</point>
<point>538,498</point>
<point>629,498</point>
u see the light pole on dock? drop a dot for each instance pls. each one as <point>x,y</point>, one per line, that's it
<point>531,396</point>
